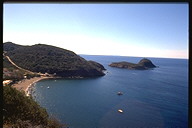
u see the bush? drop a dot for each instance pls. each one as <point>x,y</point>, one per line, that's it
<point>22,111</point>
<point>54,123</point>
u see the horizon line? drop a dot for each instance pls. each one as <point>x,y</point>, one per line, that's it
<point>135,56</point>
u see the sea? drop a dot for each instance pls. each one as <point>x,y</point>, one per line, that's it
<point>155,98</point>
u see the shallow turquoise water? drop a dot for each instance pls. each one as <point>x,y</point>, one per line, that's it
<point>151,98</point>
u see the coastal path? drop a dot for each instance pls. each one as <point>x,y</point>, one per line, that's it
<point>17,65</point>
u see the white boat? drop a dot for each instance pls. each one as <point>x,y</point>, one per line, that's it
<point>48,87</point>
<point>120,111</point>
<point>119,93</point>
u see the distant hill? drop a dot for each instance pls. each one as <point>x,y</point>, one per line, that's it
<point>53,60</point>
<point>142,65</point>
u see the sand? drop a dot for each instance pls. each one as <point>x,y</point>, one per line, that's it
<point>25,84</point>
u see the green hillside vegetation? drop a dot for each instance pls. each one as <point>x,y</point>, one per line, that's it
<point>10,72</point>
<point>20,111</point>
<point>49,59</point>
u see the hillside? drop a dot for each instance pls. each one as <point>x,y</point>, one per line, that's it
<point>20,111</point>
<point>53,60</point>
<point>11,72</point>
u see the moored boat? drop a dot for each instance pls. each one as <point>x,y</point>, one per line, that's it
<point>120,111</point>
<point>119,93</point>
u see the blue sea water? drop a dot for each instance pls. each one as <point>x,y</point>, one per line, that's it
<point>156,98</point>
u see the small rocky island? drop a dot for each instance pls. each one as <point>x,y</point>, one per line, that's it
<point>143,64</point>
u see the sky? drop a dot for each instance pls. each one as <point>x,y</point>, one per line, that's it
<point>125,29</point>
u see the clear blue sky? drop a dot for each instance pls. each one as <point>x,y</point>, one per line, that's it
<point>146,30</point>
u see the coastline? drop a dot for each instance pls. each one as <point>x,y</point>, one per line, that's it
<point>26,84</point>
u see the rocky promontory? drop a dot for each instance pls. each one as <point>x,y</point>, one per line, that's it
<point>42,58</point>
<point>143,64</point>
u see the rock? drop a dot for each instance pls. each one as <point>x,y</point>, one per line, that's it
<point>142,65</point>
<point>146,63</point>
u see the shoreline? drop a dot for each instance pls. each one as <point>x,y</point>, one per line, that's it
<point>26,84</point>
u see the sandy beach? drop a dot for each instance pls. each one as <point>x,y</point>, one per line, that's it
<point>25,84</point>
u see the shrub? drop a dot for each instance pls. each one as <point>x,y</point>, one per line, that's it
<point>20,110</point>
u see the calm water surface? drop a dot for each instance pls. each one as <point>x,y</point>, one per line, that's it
<point>155,98</point>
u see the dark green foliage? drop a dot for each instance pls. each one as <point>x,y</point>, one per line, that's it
<point>97,65</point>
<point>17,106</point>
<point>22,111</point>
<point>10,46</point>
<point>7,64</point>
<point>54,123</point>
<point>10,72</point>
<point>44,58</point>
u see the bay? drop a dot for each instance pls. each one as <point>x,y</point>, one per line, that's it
<point>156,98</point>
